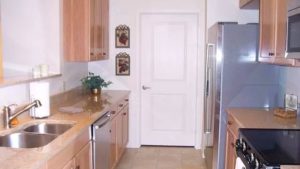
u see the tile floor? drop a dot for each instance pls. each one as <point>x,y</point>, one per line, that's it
<point>162,158</point>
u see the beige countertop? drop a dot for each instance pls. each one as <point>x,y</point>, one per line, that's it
<point>90,107</point>
<point>261,118</point>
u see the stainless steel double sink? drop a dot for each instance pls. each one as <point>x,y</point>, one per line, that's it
<point>33,136</point>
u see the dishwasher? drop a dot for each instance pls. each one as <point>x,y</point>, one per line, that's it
<point>101,142</point>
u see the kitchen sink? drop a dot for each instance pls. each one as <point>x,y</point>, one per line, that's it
<point>48,128</point>
<point>26,140</point>
<point>35,135</point>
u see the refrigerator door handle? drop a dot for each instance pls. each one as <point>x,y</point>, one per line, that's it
<point>210,49</point>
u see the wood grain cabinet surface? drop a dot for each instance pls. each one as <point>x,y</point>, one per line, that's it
<point>119,133</point>
<point>85,30</point>
<point>231,137</point>
<point>77,155</point>
<point>273,27</point>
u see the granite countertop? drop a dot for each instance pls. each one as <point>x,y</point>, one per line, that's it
<point>261,118</point>
<point>76,107</point>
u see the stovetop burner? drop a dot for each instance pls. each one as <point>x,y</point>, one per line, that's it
<point>269,147</point>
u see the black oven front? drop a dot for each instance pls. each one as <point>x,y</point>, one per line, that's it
<point>268,148</point>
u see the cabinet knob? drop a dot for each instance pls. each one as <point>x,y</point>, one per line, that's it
<point>232,145</point>
<point>124,114</point>
<point>120,105</point>
<point>92,53</point>
<point>78,167</point>
<point>126,100</point>
<point>229,122</point>
<point>271,54</point>
<point>104,53</point>
<point>113,112</point>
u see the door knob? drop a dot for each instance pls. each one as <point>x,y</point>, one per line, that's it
<point>145,87</point>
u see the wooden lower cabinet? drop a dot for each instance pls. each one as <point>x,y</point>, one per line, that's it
<point>119,134</point>
<point>230,151</point>
<point>77,155</point>
<point>125,123</point>
<point>83,159</point>
<point>113,144</point>
<point>231,137</point>
<point>70,164</point>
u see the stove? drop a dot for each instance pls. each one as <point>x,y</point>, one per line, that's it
<point>268,148</point>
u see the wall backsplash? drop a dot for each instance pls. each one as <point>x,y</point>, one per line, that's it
<point>292,81</point>
<point>71,75</point>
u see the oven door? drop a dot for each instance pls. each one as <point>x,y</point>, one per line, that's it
<point>293,34</point>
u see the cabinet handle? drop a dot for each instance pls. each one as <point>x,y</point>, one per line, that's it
<point>271,54</point>
<point>229,123</point>
<point>120,105</point>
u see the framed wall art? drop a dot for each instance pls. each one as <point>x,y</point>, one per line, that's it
<point>122,64</point>
<point>122,36</point>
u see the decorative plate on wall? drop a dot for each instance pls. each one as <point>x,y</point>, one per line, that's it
<point>122,64</point>
<point>122,36</point>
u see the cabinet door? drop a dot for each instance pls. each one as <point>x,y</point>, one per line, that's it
<point>83,159</point>
<point>113,144</point>
<point>125,120</point>
<point>273,22</point>
<point>267,30</point>
<point>70,164</point>
<point>105,29</point>
<point>119,133</point>
<point>76,30</point>
<point>230,150</point>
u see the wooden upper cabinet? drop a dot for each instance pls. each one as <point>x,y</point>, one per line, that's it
<point>85,30</point>
<point>273,21</point>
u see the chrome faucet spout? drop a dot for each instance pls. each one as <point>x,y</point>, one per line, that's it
<point>8,116</point>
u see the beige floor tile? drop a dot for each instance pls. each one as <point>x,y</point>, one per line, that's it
<point>152,157</point>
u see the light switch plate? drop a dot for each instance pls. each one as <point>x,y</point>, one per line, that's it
<point>291,101</point>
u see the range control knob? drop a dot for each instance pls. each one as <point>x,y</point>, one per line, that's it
<point>253,162</point>
<point>244,147</point>
<point>239,145</point>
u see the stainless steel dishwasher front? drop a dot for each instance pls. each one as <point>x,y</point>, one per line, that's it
<point>101,142</point>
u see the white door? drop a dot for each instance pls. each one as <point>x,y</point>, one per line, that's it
<point>168,79</point>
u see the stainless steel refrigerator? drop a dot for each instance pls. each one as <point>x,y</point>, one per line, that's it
<point>234,78</point>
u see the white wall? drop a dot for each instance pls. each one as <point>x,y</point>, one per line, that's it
<point>40,43</point>
<point>30,29</point>
<point>127,12</point>
<point>228,11</point>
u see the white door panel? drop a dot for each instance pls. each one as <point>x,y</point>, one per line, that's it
<point>168,67</point>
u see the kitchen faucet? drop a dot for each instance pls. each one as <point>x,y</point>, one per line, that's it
<point>8,116</point>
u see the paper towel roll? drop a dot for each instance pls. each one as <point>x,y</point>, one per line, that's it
<point>40,91</point>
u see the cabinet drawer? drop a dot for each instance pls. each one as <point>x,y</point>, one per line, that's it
<point>232,126</point>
